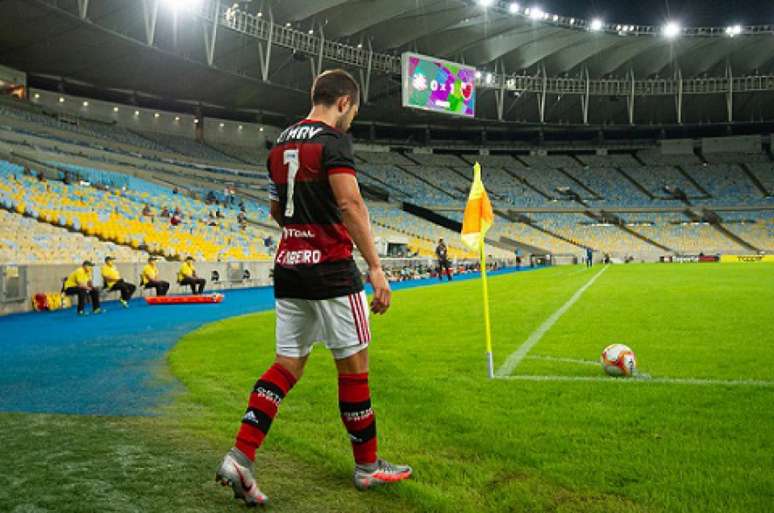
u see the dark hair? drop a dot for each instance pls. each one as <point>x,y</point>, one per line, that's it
<point>331,85</point>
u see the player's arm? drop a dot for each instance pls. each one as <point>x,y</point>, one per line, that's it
<point>354,215</point>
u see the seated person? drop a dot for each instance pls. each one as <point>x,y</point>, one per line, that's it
<point>113,281</point>
<point>78,283</point>
<point>187,276</point>
<point>150,278</point>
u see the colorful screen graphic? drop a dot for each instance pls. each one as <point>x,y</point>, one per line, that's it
<point>438,85</point>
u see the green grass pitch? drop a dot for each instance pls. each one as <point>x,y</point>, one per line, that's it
<point>477,445</point>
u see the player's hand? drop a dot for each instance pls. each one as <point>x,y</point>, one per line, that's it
<point>382,293</point>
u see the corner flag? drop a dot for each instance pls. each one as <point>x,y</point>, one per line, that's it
<point>477,220</point>
<point>479,216</point>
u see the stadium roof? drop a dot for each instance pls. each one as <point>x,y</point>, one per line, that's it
<point>104,43</point>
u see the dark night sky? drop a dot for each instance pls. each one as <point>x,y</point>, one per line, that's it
<point>692,13</point>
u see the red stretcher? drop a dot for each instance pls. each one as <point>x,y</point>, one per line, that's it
<point>184,300</point>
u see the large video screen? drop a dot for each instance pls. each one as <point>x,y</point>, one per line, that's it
<point>438,85</point>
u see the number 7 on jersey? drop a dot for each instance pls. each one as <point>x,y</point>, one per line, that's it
<point>290,159</point>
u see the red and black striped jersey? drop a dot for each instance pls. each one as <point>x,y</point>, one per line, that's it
<point>314,258</point>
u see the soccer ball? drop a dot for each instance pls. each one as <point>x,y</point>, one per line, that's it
<point>618,360</point>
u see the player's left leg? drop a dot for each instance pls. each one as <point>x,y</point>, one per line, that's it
<point>347,335</point>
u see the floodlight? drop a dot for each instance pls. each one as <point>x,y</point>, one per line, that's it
<point>37,96</point>
<point>222,125</point>
<point>596,24</point>
<point>137,113</point>
<point>180,5</point>
<point>734,30</point>
<point>156,115</point>
<point>115,109</point>
<point>85,104</point>
<point>671,30</point>
<point>513,8</point>
<point>485,3</point>
<point>61,99</point>
<point>536,13</point>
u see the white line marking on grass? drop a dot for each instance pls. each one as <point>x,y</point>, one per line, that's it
<point>517,356</point>
<point>565,360</point>
<point>671,381</point>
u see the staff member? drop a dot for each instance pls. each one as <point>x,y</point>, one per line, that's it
<point>444,266</point>
<point>149,279</point>
<point>113,281</point>
<point>78,283</point>
<point>187,276</point>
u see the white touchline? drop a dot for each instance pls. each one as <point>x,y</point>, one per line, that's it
<point>672,381</point>
<point>517,356</point>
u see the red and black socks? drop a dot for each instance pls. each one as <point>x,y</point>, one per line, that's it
<point>358,416</point>
<point>265,399</point>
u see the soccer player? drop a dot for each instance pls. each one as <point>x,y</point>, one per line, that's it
<point>444,267</point>
<point>187,276</point>
<point>319,293</point>
<point>78,283</point>
<point>589,257</point>
<point>113,281</point>
<point>149,278</point>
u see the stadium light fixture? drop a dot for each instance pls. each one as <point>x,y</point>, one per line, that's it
<point>85,104</point>
<point>555,18</point>
<point>260,129</point>
<point>360,45</point>
<point>37,96</point>
<point>733,30</point>
<point>61,99</point>
<point>221,125</point>
<point>156,115</point>
<point>177,118</point>
<point>596,25</point>
<point>115,109</point>
<point>513,8</point>
<point>572,21</point>
<point>310,32</point>
<point>183,5</point>
<point>196,121</point>
<point>240,127</point>
<point>137,113</point>
<point>536,13</point>
<point>288,24</point>
<point>485,3</point>
<point>260,14</point>
<point>671,30</point>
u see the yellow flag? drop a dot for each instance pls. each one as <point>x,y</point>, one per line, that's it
<point>479,216</point>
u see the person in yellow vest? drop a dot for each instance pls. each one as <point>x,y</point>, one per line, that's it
<point>78,283</point>
<point>113,281</point>
<point>149,279</point>
<point>187,276</point>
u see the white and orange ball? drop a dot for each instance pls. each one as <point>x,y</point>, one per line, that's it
<point>618,360</point>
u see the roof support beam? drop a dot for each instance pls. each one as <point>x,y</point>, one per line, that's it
<point>586,92</point>
<point>679,95</point>
<point>542,95</point>
<point>365,77</point>
<point>500,95</point>
<point>211,34</point>
<point>265,60</point>
<point>150,10</point>
<point>630,99</point>
<point>83,8</point>
<point>730,93</point>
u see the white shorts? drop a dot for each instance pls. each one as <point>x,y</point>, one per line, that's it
<point>340,322</point>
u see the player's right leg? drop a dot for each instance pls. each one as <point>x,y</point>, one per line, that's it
<point>296,331</point>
